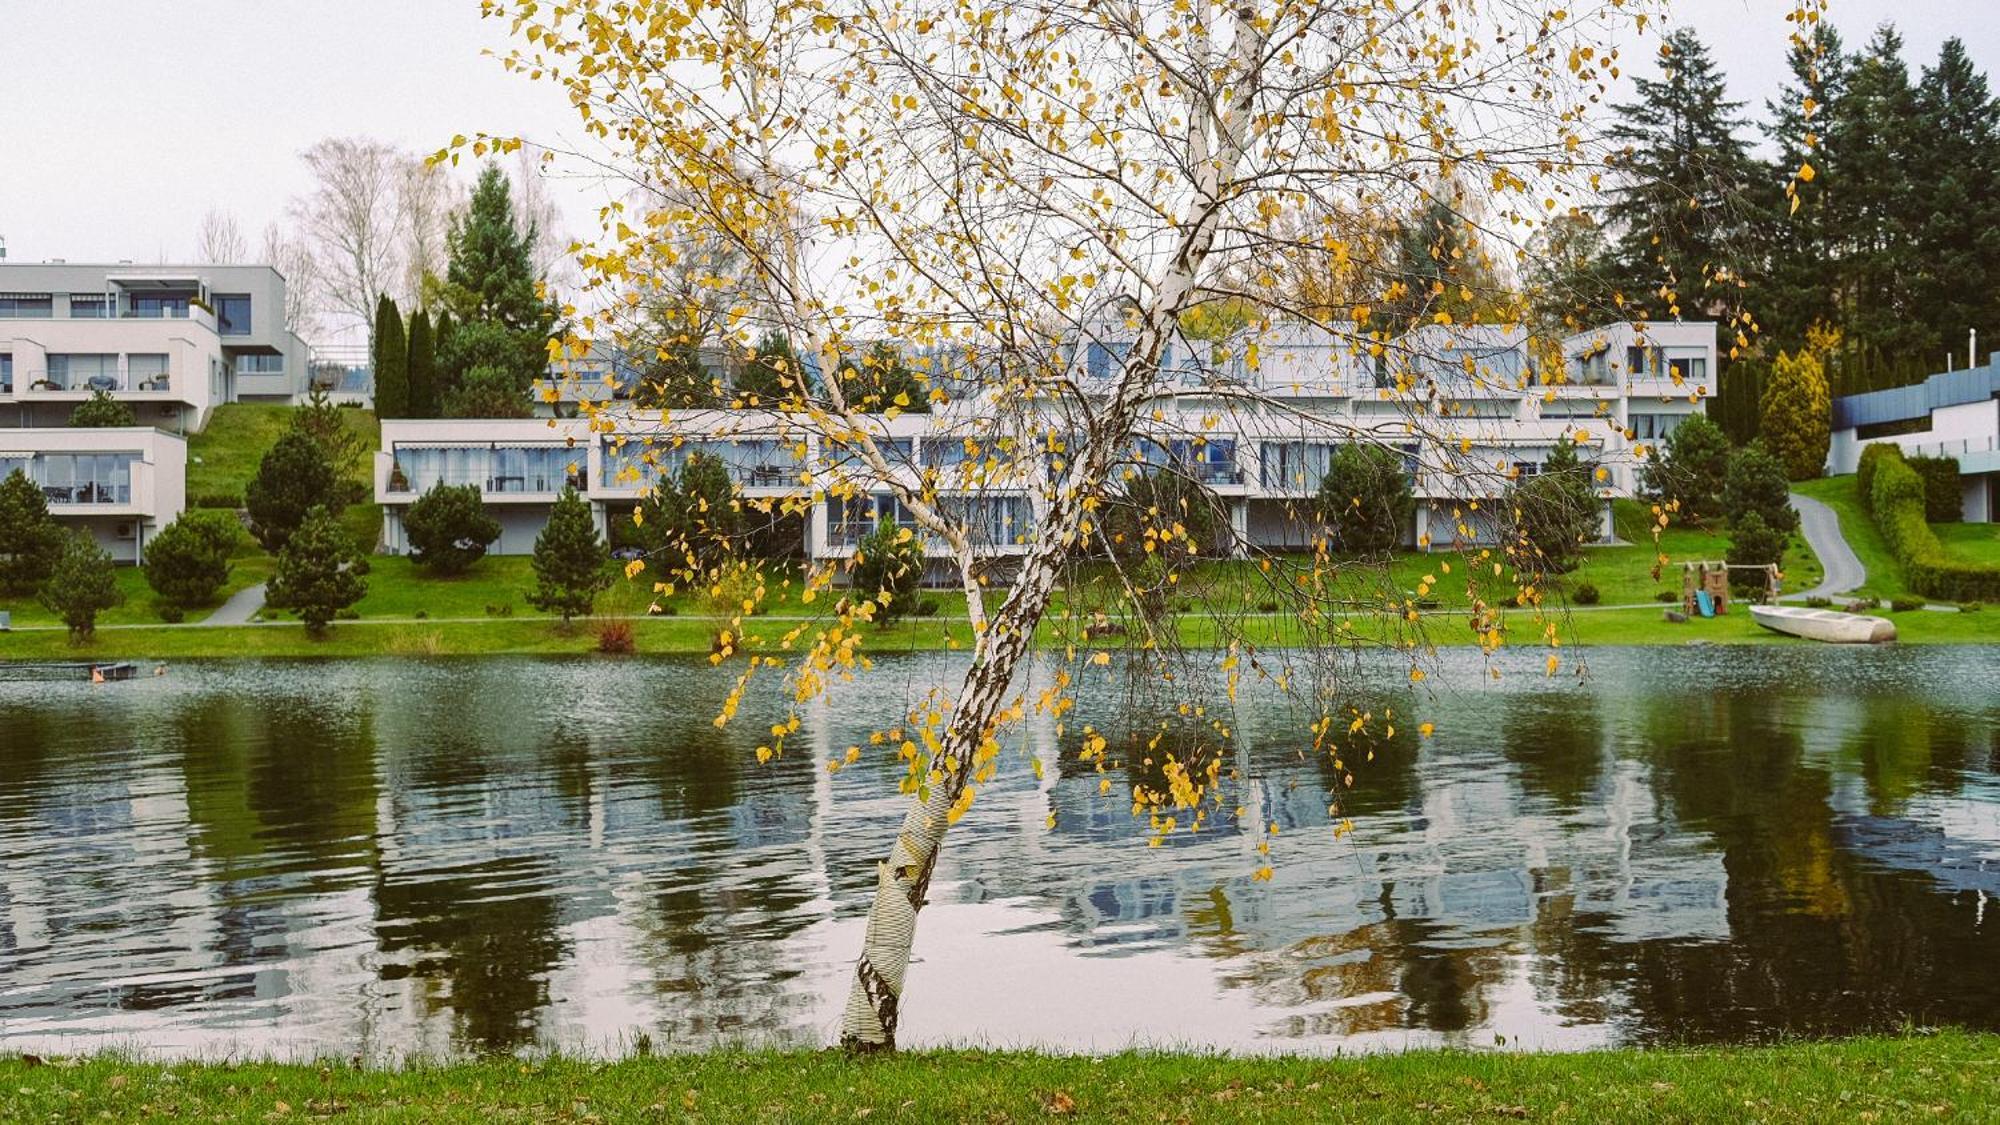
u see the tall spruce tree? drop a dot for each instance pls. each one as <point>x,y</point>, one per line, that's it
<point>1798,247</point>
<point>315,578</point>
<point>392,377</point>
<point>1872,212</point>
<point>422,367</point>
<point>1954,155</point>
<point>30,539</point>
<point>490,281</point>
<point>1682,206</point>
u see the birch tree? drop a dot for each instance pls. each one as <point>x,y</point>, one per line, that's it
<point>220,241</point>
<point>352,220</point>
<point>1020,202</point>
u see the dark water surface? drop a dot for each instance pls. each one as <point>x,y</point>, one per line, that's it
<point>395,857</point>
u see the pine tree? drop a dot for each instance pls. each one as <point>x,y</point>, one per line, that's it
<point>449,529</point>
<point>1756,483</point>
<point>30,539</point>
<point>392,381</point>
<point>1365,499</point>
<point>422,366</point>
<point>188,560</point>
<point>570,560</point>
<point>490,281</point>
<point>692,517</point>
<point>293,478</point>
<point>82,583</point>
<point>100,410</point>
<point>1872,212</point>
<point>1797,414</point>
<point>676,379</point>
<point>1682,209</point>
<point>1688,469</point>
<point>1552,514</point>
<point>1799,246</point>
<point>315,579</point>
<point>771,371</point>
<point>1955,227</point>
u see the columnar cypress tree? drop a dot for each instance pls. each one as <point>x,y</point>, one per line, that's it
<point>1682,208</point>
<point>570,560</point>
<point>443,329</point>
<point>422,367</point>
<point>392,382</point>
<point>1798,414</point>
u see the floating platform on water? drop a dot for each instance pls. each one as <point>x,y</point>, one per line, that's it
<point>99,672</point>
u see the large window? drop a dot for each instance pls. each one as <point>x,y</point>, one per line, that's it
<point>15,305</point>
<point>1295,466</point>
<point>1211,461</point>
<point>850,518</point>
<point>258,363</point>
<point>992,520</point>
<point>85,478</point>
<point>1690,370</point>
<point>89,306</point>
<point>426,465</point>
<point>232,314</point>
<point>541,468</point>
<point>147,370</point>
<point>6,374</point>
<point>83,371</point>
<point>1102,360</point>
<point>157,306</point>
<point>1654,427</point>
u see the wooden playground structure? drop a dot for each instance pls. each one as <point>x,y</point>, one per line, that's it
<point>1705,586</point>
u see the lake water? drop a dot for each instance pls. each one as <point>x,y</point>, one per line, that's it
<point>394,857</point>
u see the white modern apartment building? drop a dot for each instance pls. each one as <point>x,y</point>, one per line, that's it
<point>120,484</point>
<point>172,341</point>
<point>1953,414</point>
<point>1471,409</point>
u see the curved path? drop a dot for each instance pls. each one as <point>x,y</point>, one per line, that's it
<point>240,608</point>
<point>1821,527</point>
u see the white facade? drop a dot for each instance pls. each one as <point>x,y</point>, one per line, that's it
<point>174,342</point>
<point>120,484</point>
<point>1469,408</point>
<point>1955,414</point>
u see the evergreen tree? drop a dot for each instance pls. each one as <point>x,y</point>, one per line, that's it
<point>771,371</point>
<point>1552,514</point>
<point>882,383</point>
<point>1797,414</point>
<point>570,560</point>
<point>1752,542</point>
<point>1800,247</point>
<point>449,529</point>
<point>676,379</point>
<point>422,367</point>
<point>315,578</point>
<point>1872,211</point>
<point>692,517</point>
<point>30,539</point>
<point>491,284</point>
<point>1955,226</point>
<point>1440,265</point>
<point>1165,514</point>
<point>1756,483</point>
<point>488,392</point>
<point>889,570</point>
<point>443,330</point>
<point>100,411</point>
<point>1681,208</point>
<point>1688,469</point>
<point>393,395</point>
<point>346,447</point>
<point>188,560</point>
<point>1366,499</point>
<point>82,583</point>
<point>294,478</point>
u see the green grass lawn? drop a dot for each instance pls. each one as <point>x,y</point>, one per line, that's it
<point>1978,542</point>
<point>224,456</point>
<point>141,606</point>
<point>1944,1076</point>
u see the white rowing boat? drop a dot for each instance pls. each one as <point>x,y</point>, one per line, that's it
<point>1829,625</point>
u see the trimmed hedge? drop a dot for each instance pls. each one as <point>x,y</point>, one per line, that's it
<point>1941,488</point>
<point>1896,500</point>
<point>1864,472</point>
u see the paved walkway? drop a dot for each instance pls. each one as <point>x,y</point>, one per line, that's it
<point>1821,527</point>
<point>240,608</point>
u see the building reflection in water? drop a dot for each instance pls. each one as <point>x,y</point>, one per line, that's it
<point>432,857</point>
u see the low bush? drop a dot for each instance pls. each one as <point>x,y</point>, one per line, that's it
<point>504,610</point>
<point>616,638</point>
<point>1665,596</point>
<point>929,607</point>
<point>1969,607</point>
<point>1941,487</point>
<point>1905,605</point>
<point>1267,606</point>
<point>1586,594</point>
<point>348,614</point>
<point>1859,604</point>
<point>1896,499</point>
<point>1819,603</point>
<point>172,614</point>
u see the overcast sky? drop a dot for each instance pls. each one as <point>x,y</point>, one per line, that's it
<point>122,123</point>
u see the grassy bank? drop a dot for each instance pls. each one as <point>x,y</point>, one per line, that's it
<point>1976,542</point>
<point>697,633</point>
<point>1948,1076</point>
